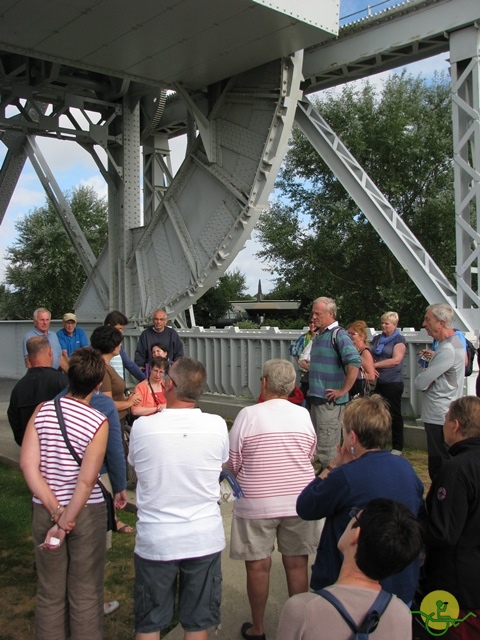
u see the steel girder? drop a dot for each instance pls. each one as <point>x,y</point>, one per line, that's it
<point>157,173</point>
<point>465,74</point>
<point>430,280</point>
<point>74,232</point>
<point>11,170</point>
<point>211,206</point>
<point>395,37</point>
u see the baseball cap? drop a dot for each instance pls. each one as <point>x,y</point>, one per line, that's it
<point>69,316</point>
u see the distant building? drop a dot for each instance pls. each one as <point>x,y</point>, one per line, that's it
<point>258,310</point>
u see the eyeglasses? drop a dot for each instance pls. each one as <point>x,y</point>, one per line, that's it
<point>352,333</point>
<point>173,381</point>
<point>353,513</point>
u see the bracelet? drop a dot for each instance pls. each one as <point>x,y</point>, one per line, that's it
<point>55,511</point>
<point>330,468</point>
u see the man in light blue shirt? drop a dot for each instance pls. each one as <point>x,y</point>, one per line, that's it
<point>442,382</point>
<point>70,336</point>
<point>41,321</point>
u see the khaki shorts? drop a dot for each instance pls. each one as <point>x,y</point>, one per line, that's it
<point>255,539</point>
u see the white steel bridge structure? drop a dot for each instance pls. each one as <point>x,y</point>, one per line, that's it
<point>122,79</point>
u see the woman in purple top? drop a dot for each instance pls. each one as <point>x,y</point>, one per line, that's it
<point>388,350</point>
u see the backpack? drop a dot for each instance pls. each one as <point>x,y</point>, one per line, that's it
<point>363,387</point>
<point>372,617</point>
<point>335,345</point>
<point>471,351</point>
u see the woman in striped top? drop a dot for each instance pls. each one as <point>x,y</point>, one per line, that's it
<point>69,513</point>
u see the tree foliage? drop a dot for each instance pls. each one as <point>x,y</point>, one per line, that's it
<point>43,268</point>
<point>215,303</point>
<point>320,243</point>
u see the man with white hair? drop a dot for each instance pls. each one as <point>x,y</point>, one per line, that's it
<point>333,368</point>
<point>41,321</point>
<point>271,445</point>
<point>442,381</point>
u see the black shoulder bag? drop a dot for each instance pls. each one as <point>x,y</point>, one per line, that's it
<point>111,522</point>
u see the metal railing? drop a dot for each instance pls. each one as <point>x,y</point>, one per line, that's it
<point>233,357</point>
<point>369,10</point>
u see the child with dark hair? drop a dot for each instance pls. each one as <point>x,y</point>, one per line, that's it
<point>118,320</point>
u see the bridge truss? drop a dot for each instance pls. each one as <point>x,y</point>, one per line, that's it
<point>237,114</point>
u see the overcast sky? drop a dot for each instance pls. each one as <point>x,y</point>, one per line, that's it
<point>72,166</point>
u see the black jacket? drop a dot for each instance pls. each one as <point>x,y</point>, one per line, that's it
<point>39,384</point>
<point>453,534</point>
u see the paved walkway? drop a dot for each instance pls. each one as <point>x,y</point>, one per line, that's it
<point>235,607</point>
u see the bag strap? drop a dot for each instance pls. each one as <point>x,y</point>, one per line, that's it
<point>153,393</point>
<point>335,346</point>
<point>74,454</point>
<point>371,619</point>
<point>63,429</point>
<point>327,595</point>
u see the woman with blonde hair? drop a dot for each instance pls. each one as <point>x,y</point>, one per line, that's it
<point>388,349</point>
<point>367,377</point>
<point>362,470</point>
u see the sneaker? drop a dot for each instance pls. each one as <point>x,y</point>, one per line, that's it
<point>396,452</point>
<point>110,607</point>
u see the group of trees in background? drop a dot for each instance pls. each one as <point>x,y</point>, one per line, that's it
<point>215,303</point>
<point>313,235</point>
<point>43,269</point>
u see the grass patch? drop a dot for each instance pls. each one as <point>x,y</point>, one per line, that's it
<point>418,460</point>
<point>18,578</point>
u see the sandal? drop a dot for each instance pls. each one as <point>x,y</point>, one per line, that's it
<point>247,636</point>
<point>124,528</point>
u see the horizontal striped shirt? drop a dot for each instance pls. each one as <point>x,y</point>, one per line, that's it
<point>57,465</point>
<point>271,446</point>
<point>328,364</point>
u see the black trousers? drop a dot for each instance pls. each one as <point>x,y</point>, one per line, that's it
<point>392,392</point>
<point>436,447</point>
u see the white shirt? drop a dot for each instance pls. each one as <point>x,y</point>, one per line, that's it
<point>178,456</point>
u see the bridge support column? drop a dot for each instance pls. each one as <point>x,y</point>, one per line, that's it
<point>465,74</point>
<point>123,206</point>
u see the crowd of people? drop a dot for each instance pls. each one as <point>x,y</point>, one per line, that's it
<point>326,478</point>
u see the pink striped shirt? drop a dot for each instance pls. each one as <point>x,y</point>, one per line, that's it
<point>57,464</point>
<point>271,446</point>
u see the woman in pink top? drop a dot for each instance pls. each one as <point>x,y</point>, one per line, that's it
<point>69,513</point>
<point>271,447</point>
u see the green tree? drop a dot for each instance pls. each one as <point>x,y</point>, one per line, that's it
<point>43,268</point>
<point>320,243</point>
<point>215,303</point>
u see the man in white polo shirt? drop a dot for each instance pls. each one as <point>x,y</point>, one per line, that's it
<point>178,456</point>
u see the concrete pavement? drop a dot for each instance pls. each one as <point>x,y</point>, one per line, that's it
<point>235,607</point>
